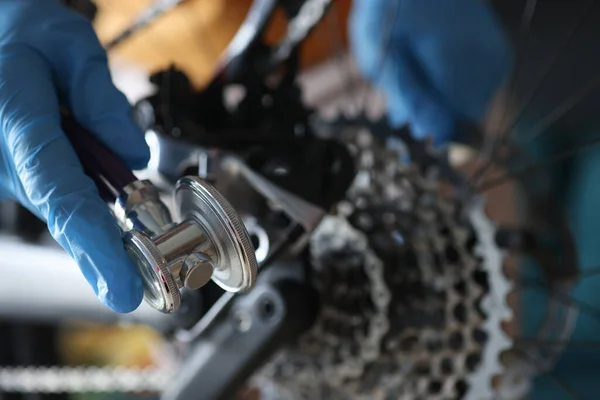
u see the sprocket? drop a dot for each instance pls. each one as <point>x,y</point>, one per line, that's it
<point>413,289</point>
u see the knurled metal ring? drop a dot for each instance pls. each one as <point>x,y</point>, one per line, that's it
<point>160,288</point>
<point>236,267</point>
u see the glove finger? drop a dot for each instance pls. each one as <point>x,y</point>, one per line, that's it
<point>409,96</point>
<point>393,68</point>
<point>465,54</point>
<point>54,183</point>
<point>80,67</point>
<point>407,88</point>
<point>444,62</point>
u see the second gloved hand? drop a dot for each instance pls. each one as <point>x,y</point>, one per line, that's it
<point>442,65</point>
<point>49,56</point>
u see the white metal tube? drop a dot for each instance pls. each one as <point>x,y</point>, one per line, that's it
<point>44,283</point>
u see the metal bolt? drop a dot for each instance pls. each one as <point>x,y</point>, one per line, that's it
<point>197,271</point>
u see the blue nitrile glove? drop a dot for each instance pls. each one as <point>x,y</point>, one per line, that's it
<point>445,60</point>
<point>50,55</point>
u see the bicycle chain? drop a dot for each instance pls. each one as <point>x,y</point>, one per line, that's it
<point>82,379</point>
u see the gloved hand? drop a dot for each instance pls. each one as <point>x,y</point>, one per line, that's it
<point>51,56</point>
<point>443,63</point>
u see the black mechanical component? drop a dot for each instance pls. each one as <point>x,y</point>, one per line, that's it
<point>271,106</point>
<point>317,170</point>
<point>203,117</point>
<point>256,325</point>
<point>268,124</point>
<point>274,139</point>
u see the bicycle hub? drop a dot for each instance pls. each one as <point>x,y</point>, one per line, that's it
<point>210,242</point>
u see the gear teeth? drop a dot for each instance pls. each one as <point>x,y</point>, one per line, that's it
<point>329,365</point>
<point>494,304</point>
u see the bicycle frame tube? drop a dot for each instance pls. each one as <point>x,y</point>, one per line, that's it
<point>42,283</point>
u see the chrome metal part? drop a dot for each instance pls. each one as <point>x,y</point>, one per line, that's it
<point>196,271</point>
<point>169,262</point>
<point>259,237</point>
<point>209,242</point>
<point>139,207</point>
<point>209,162</point>
<point>160,288</point>
<point>231,251</point>
<point>186,249</point>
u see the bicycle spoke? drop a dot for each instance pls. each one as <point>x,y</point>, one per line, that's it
<point>562,156</point>
<point>563,109</point>
<point>567,300</point>
<point>528,13</point>
<point>533,342</point>
<point>490,148</point>
<point>570,390</point>
<point>505,134</point>
<point>567,388</point>
<point>563,45</point>
<point>583,274</point>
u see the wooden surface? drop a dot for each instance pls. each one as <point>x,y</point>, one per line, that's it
<point>194,34</point>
